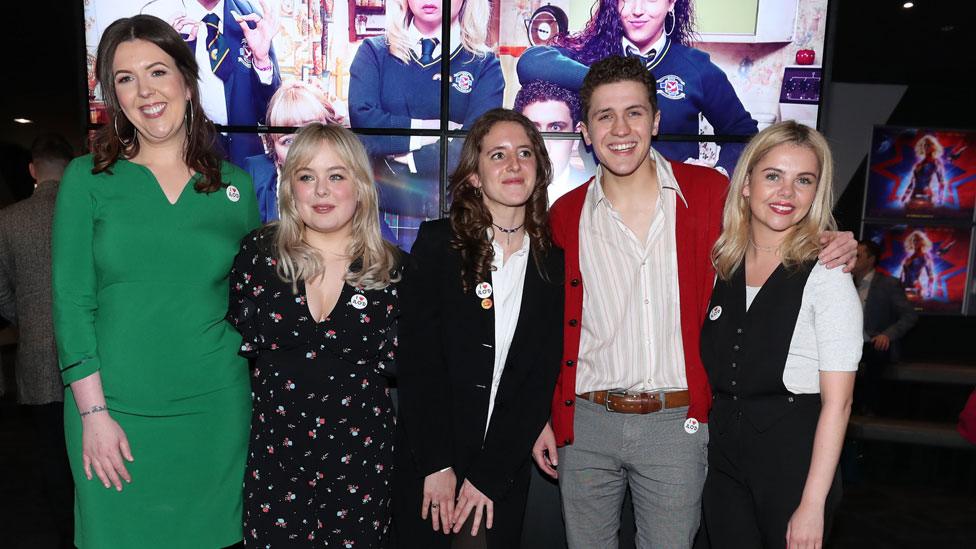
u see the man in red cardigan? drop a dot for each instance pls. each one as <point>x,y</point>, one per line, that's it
<point>640,236</point>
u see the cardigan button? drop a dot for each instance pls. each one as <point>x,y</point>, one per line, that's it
<point>734,365</point>
<point>735,347</point>
<point>569,403</point>
<point>570,363</point>
<point>738,330</point>
<point>790,399</point>
<point>573,322</point>
<point>574,282</point>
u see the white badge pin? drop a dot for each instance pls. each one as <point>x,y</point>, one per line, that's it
<point>691,426</point>
<point>715,312</point>
<point>359,301</point>
<point>233,194</point>
<point>483,290</point>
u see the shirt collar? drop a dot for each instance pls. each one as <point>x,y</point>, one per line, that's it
<point>665,180</point>
<point>414,36</point>
<point>657,46</point>
<point>195,12</point>
<point>866,281</point>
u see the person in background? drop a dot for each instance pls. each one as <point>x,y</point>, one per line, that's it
<point>659,34</point>
<point>479,345</point>
<point>145,231</point>
<point>294,104</point>
<point>557,110</point>
<point>888,316</point>
<point>314,296</point>
<point>25,300</point>
<point>781,346</point>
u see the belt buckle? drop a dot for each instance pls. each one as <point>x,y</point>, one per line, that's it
<point>611,393</point>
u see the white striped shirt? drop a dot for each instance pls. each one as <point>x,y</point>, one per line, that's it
<point>631,325</point>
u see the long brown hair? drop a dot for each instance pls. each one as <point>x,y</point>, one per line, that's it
<point>199,153</point>
<point>470,218</point>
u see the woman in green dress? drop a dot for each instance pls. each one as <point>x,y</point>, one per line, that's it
<point>145,231</point>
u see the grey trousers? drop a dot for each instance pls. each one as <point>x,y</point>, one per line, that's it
<point>663,465</point>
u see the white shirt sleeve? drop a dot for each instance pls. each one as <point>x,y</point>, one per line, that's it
<point>838,319</point>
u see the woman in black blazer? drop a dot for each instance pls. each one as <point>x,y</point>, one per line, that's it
<point>479,344</point>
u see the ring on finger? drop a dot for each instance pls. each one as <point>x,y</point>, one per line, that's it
<point>434,505</point>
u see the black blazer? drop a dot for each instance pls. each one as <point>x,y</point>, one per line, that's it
<point>887,311</point>
<point>445,362</point>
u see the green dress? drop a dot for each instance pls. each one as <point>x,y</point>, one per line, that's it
<point>140,292</point>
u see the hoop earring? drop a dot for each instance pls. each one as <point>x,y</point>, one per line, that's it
<point>125,145</point>
<point>674,22</point>
<point>189,116</point>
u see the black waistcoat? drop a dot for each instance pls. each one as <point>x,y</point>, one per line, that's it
<point>745,352</point>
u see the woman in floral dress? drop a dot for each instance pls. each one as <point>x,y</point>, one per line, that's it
<point>314,297</point>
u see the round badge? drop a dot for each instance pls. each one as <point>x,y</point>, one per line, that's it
<point>691,426</point>
<point>358,301</point>
<point>715,313</point>
<point>486,303</point>
<point>483,290</point>
<point>233,194</point>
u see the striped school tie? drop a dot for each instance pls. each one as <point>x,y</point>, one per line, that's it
<point>217,48</point>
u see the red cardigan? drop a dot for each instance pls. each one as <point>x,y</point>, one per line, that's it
<point>697,227</point>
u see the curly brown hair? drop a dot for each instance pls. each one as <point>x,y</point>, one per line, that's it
<point>611,70</point>
<point>470,218</point>
<point>200,152</point>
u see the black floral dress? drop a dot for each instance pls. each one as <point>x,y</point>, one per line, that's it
<point>322,427</point>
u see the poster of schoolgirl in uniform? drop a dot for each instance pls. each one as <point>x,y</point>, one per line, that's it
<point>723,67</point>
<point>921,173</point>
<point>931,263</point>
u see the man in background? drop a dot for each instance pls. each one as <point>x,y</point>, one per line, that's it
<point>887,318</point>
<point>25,301</point>
<point>556,110</point>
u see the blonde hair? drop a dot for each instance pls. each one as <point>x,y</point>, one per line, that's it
<point>802,243</point>
<point>920,146</point>
<point>299,261</point>
<point>909,243</point>
<point>295,103</point>
<point>474,27</point>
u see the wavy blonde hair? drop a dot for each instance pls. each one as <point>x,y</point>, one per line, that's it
<point>909,243</point>
<point>299,261</point>
<point>802,243</point>
<point>920,146</point>
<point>474,27</point>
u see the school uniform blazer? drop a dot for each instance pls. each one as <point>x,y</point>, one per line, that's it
<point>445,361</point>
<point>697,226</point>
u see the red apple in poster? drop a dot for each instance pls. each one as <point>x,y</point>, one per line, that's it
<point>805,57</point>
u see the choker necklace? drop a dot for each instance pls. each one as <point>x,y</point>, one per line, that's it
<point>767,249</point>
<point>508,232</point>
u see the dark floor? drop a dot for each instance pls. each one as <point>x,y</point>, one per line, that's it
<point>930,504</point>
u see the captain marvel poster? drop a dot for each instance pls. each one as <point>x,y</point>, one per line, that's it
<point>921,173</point>
<point>930,262</point>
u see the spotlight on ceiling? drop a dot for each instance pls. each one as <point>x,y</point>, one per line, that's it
<point>23,120</point>
<point>908,5</point>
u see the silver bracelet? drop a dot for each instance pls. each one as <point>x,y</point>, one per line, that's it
<point>94,409</point>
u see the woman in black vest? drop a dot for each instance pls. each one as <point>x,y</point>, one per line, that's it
<point>480,341</point>
<point>781,346</point>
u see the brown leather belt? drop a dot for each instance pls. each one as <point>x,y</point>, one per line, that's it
<point>637,403</point>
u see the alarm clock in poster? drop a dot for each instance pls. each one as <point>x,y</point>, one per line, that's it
<point>931,263</point>
<point>921,173</point>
